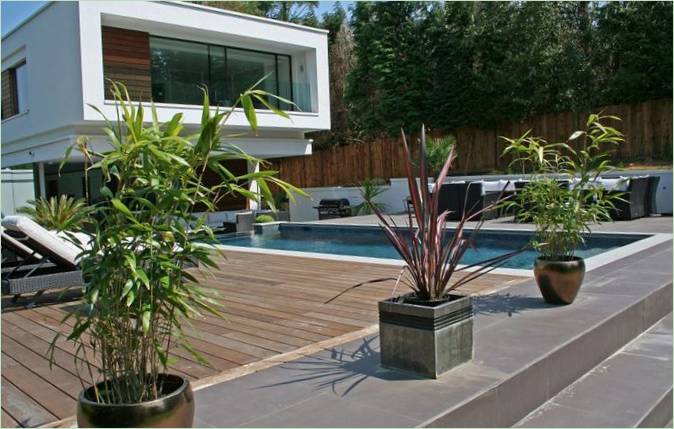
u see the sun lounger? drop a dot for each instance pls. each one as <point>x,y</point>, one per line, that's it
<point>55,268</point>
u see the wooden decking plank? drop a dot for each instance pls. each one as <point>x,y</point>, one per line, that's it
<point>7,421</point>
<point>21,408</point>
<point>49,397</point>
<point>274,346</point>
<point>239,318</point>
<point>63,380</point>
<point>304,299</point>
<point>228,325</point>
<point>229,344</point>
<point>282,310</point>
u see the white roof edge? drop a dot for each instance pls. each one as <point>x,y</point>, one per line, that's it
<point>28,19</point>
<point>245,16</point>
<point>193,6</point>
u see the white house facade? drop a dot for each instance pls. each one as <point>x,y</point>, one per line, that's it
<point>58,62</point>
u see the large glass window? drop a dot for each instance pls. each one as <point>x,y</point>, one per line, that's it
<point>179,69</point>
<point>284,81</point>
<point>244,68</point>
<point>217,90</point>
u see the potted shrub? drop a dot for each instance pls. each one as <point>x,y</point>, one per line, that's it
<point>563,199</point>
<point>138,289</point>
<point>429,330</point>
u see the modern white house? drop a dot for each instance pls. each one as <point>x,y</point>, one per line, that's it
<point>55,64</point>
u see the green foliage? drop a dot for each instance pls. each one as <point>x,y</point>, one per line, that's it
<point>438,150</point>
<point>431,252</point>
<point>452,64</point>
<point>139,293</point>
<point>62,213</point>
<point>562,214</point>
<point>370,189</point>
<point>298,12</point>
<point>263,218</point>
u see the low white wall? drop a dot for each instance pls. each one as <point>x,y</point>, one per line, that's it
<point>17,189</point>
<point>302,210</point>
<point>397,192</point>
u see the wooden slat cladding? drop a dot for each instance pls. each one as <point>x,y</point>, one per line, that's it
<point>9,101</point>
<point>126,59</point>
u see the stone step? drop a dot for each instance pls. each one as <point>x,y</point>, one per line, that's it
<point>632,388</point>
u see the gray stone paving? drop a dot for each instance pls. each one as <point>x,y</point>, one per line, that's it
<point>619,392</point>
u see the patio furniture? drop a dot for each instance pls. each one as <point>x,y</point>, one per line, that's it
<point>651,195</point>
<point>52,264</point>
<point>457,197</point>
<point>634,191</point>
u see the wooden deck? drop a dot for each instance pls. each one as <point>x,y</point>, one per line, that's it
<point>273,305</point>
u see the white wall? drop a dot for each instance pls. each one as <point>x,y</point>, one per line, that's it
<point>49,43</point>
<point>395,195</point>
<point>17,189</point>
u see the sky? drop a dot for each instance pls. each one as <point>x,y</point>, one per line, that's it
<point>14,12</point>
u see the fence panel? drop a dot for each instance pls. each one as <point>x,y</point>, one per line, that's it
<point>647,127</point>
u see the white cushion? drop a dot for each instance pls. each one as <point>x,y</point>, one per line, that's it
<point>507,185</point>
<point>618,185</point>
<point>52,244</point>
<point>492,186</point>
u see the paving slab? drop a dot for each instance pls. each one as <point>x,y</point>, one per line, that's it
<point>525,353</point>
<point>622,391</point>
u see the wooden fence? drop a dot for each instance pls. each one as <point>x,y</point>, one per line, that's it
<point>647,128</point>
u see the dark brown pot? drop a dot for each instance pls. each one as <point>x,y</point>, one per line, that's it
<point>174,409</point>
<point>559,280</point>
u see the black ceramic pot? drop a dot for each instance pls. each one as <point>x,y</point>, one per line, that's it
<point>174,409</point>
<point>559,280</point>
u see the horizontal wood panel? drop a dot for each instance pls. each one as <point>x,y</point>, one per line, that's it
<point>126,59</point>
<point>647,127</point>
<point>268,311</point>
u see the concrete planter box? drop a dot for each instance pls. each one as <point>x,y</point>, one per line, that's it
<point>425,340</point>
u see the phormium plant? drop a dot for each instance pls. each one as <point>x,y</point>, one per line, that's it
<point>432,252</point>
<point>139,288</point>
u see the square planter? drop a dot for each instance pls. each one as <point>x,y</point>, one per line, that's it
<point>426,340</point>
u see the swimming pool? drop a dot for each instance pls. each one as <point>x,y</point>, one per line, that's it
<point>370,241</point>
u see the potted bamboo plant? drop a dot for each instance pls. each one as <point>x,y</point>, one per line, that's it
<point>140,283</point>
<point>563,199</point>
<point>429,330</point>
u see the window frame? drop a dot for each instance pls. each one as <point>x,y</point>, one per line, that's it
<point>226,48</point>
<point>14,87</point>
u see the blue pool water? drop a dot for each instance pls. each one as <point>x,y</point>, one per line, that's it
<point>371,242</point>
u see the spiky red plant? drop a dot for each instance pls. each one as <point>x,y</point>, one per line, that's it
<point>431,252</point>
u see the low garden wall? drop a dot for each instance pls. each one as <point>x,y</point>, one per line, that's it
<point>396,192</point>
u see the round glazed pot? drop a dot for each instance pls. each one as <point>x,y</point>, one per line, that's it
<point>174,409</point>
<point>559,280</point>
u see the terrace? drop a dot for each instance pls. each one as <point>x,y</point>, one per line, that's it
<point>286,358</point>
<point>285,318</point>
<point>533,316</point>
